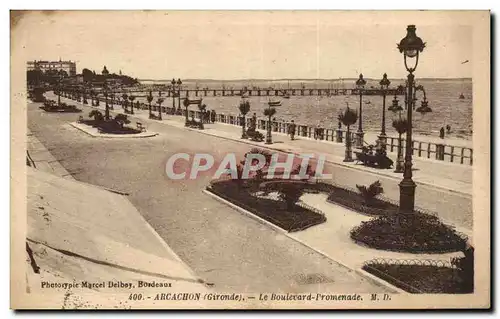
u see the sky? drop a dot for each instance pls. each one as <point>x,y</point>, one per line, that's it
<point>243,45</point>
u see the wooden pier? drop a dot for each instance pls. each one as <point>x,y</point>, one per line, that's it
<point>142,92</point>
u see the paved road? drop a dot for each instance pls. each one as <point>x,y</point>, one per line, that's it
<point>222,246</point>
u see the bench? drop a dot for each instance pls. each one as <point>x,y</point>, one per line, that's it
<point>141,127</point>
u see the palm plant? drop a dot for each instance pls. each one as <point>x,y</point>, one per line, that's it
<point>131,98</point>
<point>290,193</point>
<point>125,97</point>
<point>186,105</point>
<point>244,109</point>
<point>269,112</point>
<point>159,102</point>
<point>370,192</point>
<point>401,125</point>
<point>150,99</point>
<point>348,118</point>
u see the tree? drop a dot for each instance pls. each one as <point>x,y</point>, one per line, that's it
<point>150,99</point>
<point>244,109</point>
<point>348,118</point>
<point>125,97</point>
<point>131,98</point>
<point>88,76</point>
<point>34,77</point>
<point>159,102</point>
<point>269,112</point>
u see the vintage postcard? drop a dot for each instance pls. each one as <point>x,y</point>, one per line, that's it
<point>250,159</point>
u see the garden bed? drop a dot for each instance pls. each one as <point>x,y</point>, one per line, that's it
<point>422,278</point>
<point>413,233</point>
<point>354,200</point>
<point>275,212</point>
<point>110,127</point>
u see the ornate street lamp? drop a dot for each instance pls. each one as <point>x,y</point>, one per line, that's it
<point>179,83</point>
<point>173,95</point>
<point>384,85</point>
<point>411,46</point>
<point>106,112</point>
<point>360,84</point>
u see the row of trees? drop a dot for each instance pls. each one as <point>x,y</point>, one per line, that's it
<point>38,77</point>
<point>91,76</point>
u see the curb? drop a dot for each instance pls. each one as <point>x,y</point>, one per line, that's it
<point>121,136</point>
<point>360,272</point>
<point>169,249</point>
<point>328,161</point>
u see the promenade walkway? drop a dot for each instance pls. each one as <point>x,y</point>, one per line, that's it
<point>448,186</point>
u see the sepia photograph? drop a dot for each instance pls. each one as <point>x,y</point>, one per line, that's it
<point>250,159</point>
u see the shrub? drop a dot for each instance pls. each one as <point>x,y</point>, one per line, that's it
<point>370,192</point>
<point>98,117</point>
<point>121,119</point>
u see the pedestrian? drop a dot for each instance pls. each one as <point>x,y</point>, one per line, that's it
<point>448,129</point>
<point>317,131</point>
<point>291,130</point>
<point>441,132</point>
<point>254,120</point>
<point>213,115</point>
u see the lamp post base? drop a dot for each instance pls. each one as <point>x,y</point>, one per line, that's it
<point>359,139</point>
<point>407,196</point>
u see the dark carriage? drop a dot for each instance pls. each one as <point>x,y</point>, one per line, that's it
<point>377,159</point>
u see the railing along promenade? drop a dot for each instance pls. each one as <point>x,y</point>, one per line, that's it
<point>424,149</point>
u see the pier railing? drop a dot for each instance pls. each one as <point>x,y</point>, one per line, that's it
<point>424,149</point>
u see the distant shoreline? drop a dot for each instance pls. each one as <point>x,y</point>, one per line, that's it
<point>298,80</point>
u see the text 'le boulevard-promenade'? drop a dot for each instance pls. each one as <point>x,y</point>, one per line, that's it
<point>325,192</point>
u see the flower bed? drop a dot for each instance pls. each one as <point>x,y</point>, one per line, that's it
<point>422,278</point>
<point>110,127</point>
<point>240,194</point>
<point>413,233</point>
<point>355,201</point>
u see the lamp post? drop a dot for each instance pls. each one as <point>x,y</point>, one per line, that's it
<point>106,110</point>
<point>360,84</point>
<point>384,85</point>
<point>411,46</point>
<point>179,83</point>
<point>173,95</point>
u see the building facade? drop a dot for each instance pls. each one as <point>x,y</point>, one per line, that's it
<point>68,66</point>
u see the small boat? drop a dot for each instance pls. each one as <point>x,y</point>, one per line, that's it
<point>368,102</point>
<point>274,103</point>
<point>461,97</point>
<point>194,101</point>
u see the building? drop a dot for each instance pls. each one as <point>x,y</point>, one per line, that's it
<point>68,66</point>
